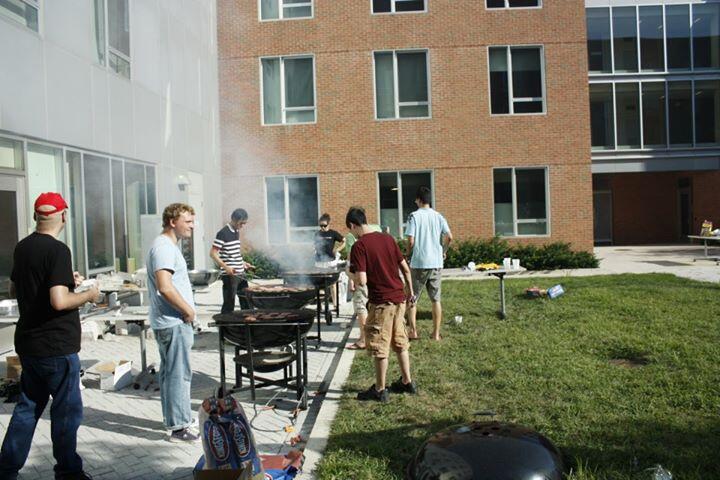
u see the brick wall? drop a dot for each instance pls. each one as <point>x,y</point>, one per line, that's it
<point>646,207</point>
<point>460,143</point>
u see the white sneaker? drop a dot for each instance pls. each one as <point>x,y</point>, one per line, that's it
<point>183,436</point>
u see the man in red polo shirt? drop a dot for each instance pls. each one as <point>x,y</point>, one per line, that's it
<point>376,260</point>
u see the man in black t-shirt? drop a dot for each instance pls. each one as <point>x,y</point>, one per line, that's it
<point>47,340</point>
<point>327,241</point>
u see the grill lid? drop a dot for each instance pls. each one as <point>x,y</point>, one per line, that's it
<point>487,451</point>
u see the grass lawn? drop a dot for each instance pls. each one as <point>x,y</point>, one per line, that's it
<point>549,367</point>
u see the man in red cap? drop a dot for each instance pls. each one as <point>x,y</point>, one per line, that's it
<point>47,340</point>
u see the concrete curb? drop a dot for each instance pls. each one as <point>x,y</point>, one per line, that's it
<point>319,435</point>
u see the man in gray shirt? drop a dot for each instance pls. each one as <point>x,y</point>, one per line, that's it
<point>172,312</point>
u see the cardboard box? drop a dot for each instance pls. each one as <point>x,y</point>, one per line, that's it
<point>13,367</point>
<point>110,375</point>
<point>230,474</point>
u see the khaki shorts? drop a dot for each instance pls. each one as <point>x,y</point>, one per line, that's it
<point>360,300</point>
<point>427,277</point>
<point>385,328</point>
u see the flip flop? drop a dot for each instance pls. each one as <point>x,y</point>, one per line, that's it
<point>412,339</point>
<point>355,346</point>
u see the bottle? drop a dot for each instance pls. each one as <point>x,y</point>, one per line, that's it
<point>659,473</point>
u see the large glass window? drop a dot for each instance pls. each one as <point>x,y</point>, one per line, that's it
<point>652,55</point>
<point>677,24</point>
<point>397,6</point>
<point>292,209</point>
<point>136,205</point>
<point>707,112</point>
<point>98,213</point>
<point>402,84</point>
<point>76,222</point>
<point>44,173</point>
<point>706,35</point>
<point>520,201</point>
<point>288,90</point>
<point>513,3</point>
<point>602,127</point>
<point>118,204</point>
<point>653,114</point>
<point>397,192</point>
<point>112,34</point>
<point>285,9</point>
<point>598,43</point>
<point>625,39</point>
<point>680,113</point>
<point>25,12</point>
<point>627,108</point>
<point>11,153</point>
<point>516,80</point>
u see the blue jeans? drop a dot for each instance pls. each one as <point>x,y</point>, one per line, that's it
<point>42,377</point>
<point>175,374</point>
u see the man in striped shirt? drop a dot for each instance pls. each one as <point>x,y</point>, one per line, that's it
<point>228,256</point>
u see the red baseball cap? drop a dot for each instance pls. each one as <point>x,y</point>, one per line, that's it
<point>50,199</point>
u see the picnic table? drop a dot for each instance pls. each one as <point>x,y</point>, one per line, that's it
<point>498,273</point>
<point>705,239</point>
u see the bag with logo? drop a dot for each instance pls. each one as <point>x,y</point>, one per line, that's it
<point>227,438</point>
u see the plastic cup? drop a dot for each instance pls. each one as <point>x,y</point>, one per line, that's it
<point>507,263</point>
<point>458,319</point>
<point>516,263</point>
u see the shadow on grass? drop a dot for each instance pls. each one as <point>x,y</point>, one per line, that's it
<point>687,449</point>
<point>394,447</point>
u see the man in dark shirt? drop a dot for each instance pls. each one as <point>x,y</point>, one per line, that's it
<point>47,340</point>
<point>326,240</point>
<point>376,260</point>
<point>227,253</point>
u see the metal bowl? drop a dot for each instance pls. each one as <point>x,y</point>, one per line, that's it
<point>203,278</point>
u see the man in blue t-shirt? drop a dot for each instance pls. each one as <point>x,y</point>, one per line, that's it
<point>428,237</point>
<point>172,312</point>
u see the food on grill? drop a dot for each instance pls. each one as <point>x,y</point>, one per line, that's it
<point>279,288</point>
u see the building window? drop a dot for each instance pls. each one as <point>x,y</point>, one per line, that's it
<point>112,35</point>
<point>677,26</point>
<point>516,80</point>
<point>285,9</point>
<point>520,196</point>
<point>398,6</point>
<point>397,192</point>
<point>24,12</point>
<point>513,3</point>
<point>654,38</point>
<point>402,82</point>
<point>292,207</point>
<point>602,114</point>
<point>706,35</point>
<point>599,37</point>
<point>11,153</point>
<point>655,114</point>
<point>288,90</point>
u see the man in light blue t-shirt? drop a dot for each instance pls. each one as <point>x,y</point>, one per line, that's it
<point>428,237</point>
<point>172,312</point>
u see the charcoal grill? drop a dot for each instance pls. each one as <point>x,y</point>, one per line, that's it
<point>487,451</point>
<point>321,279</point>
<point>252,330</point>
<point>282,297</point>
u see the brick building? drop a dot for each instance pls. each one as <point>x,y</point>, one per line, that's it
<point>654,73</point>
<point>327,104</point>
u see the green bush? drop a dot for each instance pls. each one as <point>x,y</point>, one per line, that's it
<point>265,267</point>
<point>551,256</point>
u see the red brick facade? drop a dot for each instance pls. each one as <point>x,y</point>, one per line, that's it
<point>646,206</point>
<point>461,143</point>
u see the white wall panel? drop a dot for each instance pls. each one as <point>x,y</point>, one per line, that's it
<point>148,118</point>
<point>148,45</point>
<point>100,109</point>
<point>121,116</point>
<point>70,26</point>
<point>69,97</point>
<point>22,81</point>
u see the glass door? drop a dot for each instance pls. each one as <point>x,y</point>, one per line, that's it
<point>12,222</point>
